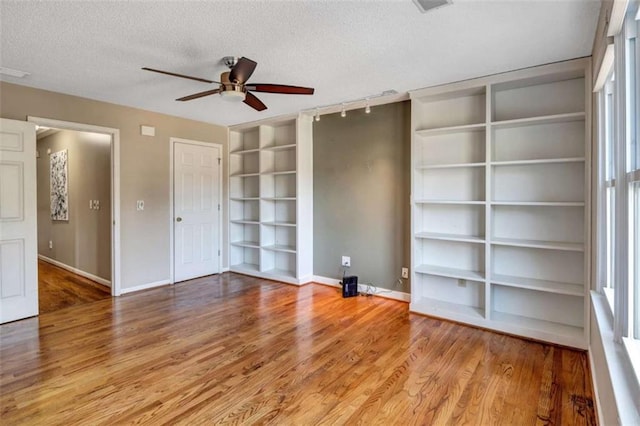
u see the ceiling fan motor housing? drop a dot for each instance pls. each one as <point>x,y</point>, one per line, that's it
<point>231,91</point>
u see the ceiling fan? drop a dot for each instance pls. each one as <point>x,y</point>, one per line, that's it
<point>234,86</point>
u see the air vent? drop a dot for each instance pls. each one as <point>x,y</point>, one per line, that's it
<point>426,5</point>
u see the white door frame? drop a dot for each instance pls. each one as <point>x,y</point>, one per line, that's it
<point>172,142</point>
<point>115,185</point>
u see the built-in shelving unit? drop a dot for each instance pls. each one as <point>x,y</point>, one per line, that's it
<point>500,181</point>
<point>270,187</point>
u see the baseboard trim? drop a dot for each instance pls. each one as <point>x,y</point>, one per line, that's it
<point>145,286</point>
<point>380,292</point>
<point>77,271</point>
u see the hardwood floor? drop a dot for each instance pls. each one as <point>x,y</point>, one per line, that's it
<point>59,288</point>
<point>239,350</point>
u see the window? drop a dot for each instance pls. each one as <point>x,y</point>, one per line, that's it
<point>619,187</point>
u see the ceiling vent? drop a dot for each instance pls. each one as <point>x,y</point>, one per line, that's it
<point>426,5</point>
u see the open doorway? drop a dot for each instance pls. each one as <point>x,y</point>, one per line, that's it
<point>74,215</point>
<point>78,212</point>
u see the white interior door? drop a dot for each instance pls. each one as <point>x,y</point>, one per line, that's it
<point>196,182</point>
<point>18,232</point>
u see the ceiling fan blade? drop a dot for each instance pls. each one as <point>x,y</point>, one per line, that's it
<point>204,80</point>
<point>241,71</point>
<point>280,88</point>
<point>199,95</point>
<point>254,102</point>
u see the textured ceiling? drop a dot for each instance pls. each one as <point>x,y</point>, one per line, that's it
<point>345,49</point>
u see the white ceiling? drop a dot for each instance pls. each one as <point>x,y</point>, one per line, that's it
<point>345,49</point>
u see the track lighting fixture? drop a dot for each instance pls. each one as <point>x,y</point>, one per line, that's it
<point>344,111</point>
<point>317,118</point>
<point>367,108</point>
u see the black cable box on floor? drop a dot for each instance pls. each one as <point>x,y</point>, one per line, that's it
<point>350,286</point>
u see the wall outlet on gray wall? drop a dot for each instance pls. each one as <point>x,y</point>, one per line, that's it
<point>50,244</point>
<point>405,272</point>
<point>346,261</point>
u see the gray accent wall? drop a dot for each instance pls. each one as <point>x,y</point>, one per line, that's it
<point>361,189</point>
<point>84,241</point>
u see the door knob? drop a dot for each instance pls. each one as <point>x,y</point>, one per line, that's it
<point>178,219</point>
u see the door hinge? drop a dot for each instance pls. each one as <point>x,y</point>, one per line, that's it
<point>219,160</point>
<point>218,207</point>
<point>218,252</point>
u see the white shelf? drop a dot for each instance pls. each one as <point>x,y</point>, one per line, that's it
<point>280,247</point>
<point>450,129</point>
<point>244,198</point>
<point>274,223</point>
<point>242,268</point>
<point>541,161</point>
<point>449,202</point>
<point>546,119</point>
<point>279,198</point>
<point>539,285</point>
<point>439,308</point>
<point>250,244</point>
<point>539,203</point>
<point>242,175</point>
<point>449,166</point>
<point>277,273</point>
<point>279,147</point>
<point>536,325</point>
<point>504,156</point>
<point>244,151</point>
<point>286,172</point>
<point>551,245</point>
<point>450,272</point>
<point>245,222</point>
<point>450,237</point>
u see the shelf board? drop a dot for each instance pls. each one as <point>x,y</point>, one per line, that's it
<point>279,147</point>
<point>545,119</point>
<point>551,245</point>
<point>276,223</point>
<point>243,175</point>
<point>448,202</point>
<point>278,198</point>
<point>541,161</point>
<point>449,166</point>
<point>548,327</point>
<point>437,307</point>
<point>287,172</point>
<point>246,222</point>
<point>450,272</point>
<point>245,198</point>
<point>539,285</point>
<point>244,151</point>
<point>539,203</point>
<point>280,247</point>
<point>245,268</point>
<point>250,244</point>
<point>276,273</point>
<point>451,129</point>
<point>450,237</point>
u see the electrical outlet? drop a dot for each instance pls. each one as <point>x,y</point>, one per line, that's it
<point>346,261</point>
<point>405,272</point>
<point>140,205</point>
<point>90,204</point>
<point>50,244</point>
<point>462,283</point>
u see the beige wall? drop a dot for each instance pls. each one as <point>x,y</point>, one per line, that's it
<point>144,169</point>
<point>83,241</point>
<point>361,187</point>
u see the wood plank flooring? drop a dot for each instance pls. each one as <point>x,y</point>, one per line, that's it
<point>231,349</point>
<point>59,288</point>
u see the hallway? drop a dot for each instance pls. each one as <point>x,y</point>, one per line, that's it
<point>59,288</point>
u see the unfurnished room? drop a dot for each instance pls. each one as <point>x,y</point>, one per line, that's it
<point>320,212</point>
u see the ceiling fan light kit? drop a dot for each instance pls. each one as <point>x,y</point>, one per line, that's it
<point>233,84</point>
